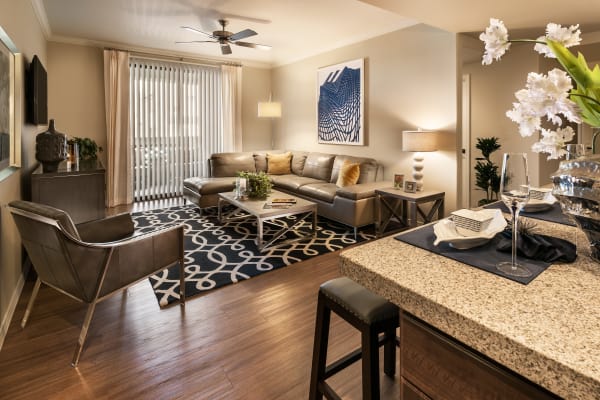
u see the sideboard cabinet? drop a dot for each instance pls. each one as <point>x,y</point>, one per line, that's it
<point>78,190</point>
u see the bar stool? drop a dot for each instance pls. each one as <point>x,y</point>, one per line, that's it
<point>371,315</point>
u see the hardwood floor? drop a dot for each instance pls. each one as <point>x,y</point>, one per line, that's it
<point>251,340</point>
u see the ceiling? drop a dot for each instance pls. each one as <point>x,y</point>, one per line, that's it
<point>296,29</point>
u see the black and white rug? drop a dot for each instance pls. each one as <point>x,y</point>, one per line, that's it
<point>220,254</point>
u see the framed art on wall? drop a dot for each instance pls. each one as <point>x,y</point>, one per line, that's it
<point>340,115</point>
<point>11,71</point>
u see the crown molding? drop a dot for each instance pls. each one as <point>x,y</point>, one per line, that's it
<point>40,13</point>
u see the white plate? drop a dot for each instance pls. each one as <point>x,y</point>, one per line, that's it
<point>534,205</point>
<point>445,231</point>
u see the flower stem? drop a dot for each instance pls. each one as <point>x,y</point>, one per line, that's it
<point>594,141</point>
<point>584,96</point>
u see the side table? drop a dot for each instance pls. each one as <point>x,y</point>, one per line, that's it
<point>406,207</point>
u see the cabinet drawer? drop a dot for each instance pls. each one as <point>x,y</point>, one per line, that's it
<point>409,392</point>
<point>445,369</point>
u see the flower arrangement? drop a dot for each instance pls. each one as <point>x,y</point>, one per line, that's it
<point>552,95</point>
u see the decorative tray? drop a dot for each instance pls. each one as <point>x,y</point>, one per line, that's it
<point>445,231</point>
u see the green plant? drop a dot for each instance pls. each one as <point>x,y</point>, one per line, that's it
<point>487,177</point>
<point>88,149</point>
<point>258,184</point>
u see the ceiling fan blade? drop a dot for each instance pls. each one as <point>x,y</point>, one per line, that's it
<point>196,41</point>
<point>225,49</point>
<point>242,34</point>
<point>253,45</point>
<point>189,28</point>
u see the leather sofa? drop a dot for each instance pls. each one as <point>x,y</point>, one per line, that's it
<point>313,177</point>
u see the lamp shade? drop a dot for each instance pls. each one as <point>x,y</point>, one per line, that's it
<point>269,109</point>
<point>419,141</point>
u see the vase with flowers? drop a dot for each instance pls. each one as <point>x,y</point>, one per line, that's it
<point>553,97</point>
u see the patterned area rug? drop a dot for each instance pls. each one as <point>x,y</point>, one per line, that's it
<point>220,254</point>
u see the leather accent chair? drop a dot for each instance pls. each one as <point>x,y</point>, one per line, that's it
<point>94,260</point>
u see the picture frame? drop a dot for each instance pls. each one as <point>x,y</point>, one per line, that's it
<point>398,181</point>
<point>340,103</point>
<point>11,77</point>
<point>410,187</point>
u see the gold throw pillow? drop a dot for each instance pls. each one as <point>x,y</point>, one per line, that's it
<point>349,174</point>
<point>279,164</point>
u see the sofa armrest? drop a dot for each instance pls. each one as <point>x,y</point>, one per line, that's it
<point>361,190</point>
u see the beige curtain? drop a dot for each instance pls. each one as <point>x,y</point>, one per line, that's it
<point>119,185</point>
<point>232,107</point>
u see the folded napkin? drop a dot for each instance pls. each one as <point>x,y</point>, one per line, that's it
<point>539,247</point>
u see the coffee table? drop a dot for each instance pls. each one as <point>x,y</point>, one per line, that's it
<point>304,209</point>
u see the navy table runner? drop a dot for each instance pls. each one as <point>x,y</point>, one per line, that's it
<point>483,257</point>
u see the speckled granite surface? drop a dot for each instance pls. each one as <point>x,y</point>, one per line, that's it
<point>547,331</point>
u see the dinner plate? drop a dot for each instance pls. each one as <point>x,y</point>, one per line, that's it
<point>535,205</point>
<point>445,232</point>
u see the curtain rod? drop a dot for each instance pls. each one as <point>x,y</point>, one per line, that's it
<point>182,60</point>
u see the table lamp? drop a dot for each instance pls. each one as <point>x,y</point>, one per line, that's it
<point>419,141</point>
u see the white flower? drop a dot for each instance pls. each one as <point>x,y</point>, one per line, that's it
<point>496,41</point>
<point>568,37</point>
<point>553,142</point>
<point>543,96</point>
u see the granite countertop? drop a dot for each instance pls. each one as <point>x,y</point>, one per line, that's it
<point>547,331</point>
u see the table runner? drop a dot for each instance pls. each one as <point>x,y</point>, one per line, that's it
<point>483,257</point>
<point>553,214</point>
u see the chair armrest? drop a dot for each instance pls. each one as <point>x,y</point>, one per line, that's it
<point>108,229</point>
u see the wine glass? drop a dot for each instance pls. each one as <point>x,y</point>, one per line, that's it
<point>514,190</point>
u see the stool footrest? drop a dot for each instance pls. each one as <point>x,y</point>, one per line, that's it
<point>328,391</point>
<point>349,359</point>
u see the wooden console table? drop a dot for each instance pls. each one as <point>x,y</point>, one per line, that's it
<point>79,191</point>
<point>405,207</point>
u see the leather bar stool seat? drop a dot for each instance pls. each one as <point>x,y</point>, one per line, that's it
<point>372,315</point>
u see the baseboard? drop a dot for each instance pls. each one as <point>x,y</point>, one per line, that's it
<point>13,303</point>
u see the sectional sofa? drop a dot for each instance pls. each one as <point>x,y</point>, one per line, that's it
<point>310,175</point>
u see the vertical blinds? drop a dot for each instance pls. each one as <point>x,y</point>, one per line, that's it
<point>176,123</point>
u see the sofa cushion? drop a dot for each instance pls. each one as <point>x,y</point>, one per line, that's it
<point>292,182</point>
<point>229,164</point>
<point>368,168</point>
<point>298,161</point>
<point>260,159</point>
<point>348,174</point>
<point>322,191</point>
<point>279,164</point>
<point>206,186</point>
<point>361,190</point>
<point>318,166</point>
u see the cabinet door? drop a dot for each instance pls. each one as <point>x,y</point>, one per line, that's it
<point>81,195</point>
<point>443,368</point>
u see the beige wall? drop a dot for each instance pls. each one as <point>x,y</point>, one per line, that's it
<point>18,20</point>
<point>76,91</point>
<point>410,82</point>
<point>256,86</point>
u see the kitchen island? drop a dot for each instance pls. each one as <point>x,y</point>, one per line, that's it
<point>544,336</point>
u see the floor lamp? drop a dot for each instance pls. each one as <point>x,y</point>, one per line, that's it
<point>419,142</point>
<point>270,109</point>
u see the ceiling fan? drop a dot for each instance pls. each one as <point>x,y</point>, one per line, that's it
<point>225,38</point>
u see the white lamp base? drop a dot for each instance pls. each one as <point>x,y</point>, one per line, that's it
<point>417,173</point>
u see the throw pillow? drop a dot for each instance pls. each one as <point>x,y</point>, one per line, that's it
<point>279,164</point>
<point>349,174</point>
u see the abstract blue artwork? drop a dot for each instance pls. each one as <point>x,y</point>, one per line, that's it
<point>340,103</point>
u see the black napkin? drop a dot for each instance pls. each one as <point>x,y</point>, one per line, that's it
<point>539,247</point>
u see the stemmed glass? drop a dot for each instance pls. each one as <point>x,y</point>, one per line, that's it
<point>514,190</point>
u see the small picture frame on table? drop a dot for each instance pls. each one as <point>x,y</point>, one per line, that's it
<point>398,181</point>
<point>410,187</point>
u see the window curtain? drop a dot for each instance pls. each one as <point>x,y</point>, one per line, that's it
<point>119,189</point>
<point>181,113</point>
<point>232,107</point>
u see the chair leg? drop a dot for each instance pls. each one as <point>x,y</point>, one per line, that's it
<point>83,334</point>
<point>34,294</point>
<point>370,364</point>
<point>320,349</point>
<point>181,283</point>
<point>389,352</point>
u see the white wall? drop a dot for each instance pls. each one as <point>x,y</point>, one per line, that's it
<point>410,82</point>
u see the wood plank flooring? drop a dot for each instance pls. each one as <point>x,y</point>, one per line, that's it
<point>251,340</point>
